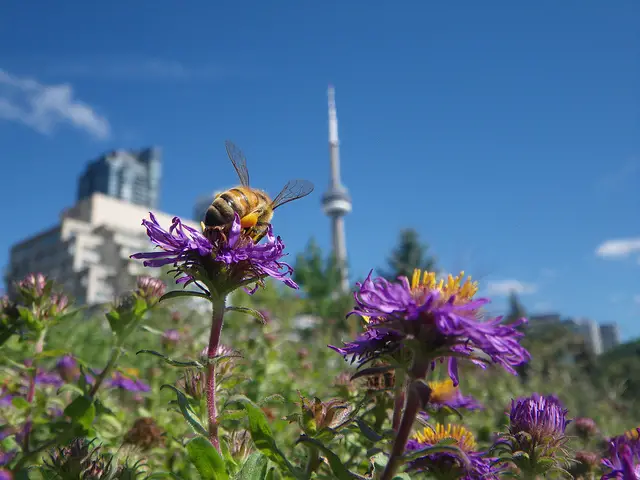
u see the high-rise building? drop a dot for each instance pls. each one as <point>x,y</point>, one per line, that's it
<point>88,251</point>
<point>610,336</point>
<point>130,175</point>
<point>336,202</point>
<point>590,330</point>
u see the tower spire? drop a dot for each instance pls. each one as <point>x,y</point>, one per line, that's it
<point>336,202</point>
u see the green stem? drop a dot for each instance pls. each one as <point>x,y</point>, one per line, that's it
<point>217,320</point>
<point>115,355</point>
<point>313,462</point>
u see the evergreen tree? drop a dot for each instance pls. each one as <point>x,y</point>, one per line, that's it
<point>319,278</point>
<point>408,255</point>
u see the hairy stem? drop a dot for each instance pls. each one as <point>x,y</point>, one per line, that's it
<point>217,319</point>
<point>411,408</point>
<point>313,462</point>
<point>37,349</point>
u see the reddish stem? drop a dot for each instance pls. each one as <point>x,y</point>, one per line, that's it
<point>217,319</point>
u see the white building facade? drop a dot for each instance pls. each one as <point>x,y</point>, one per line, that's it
<point>88,251</point>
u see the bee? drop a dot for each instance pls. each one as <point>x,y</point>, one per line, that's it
<point>254,207</point>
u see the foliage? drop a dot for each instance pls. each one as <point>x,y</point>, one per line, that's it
<point>408,255</point>
<point>134,402</point>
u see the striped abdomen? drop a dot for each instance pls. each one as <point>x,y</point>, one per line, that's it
<point>241,200</point>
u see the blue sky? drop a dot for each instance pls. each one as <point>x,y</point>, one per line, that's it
<point>507,134</point>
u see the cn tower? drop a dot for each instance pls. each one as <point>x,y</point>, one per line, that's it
<point>336,202</point>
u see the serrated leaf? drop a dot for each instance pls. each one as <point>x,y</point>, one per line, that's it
<point>254,468</point>
<point>206,459</point>
<point>171,361</point>
<point>232,415</point>
<point>82,411</point>
<point>183,293</point>
<point>187,412</point>
<point>248,311</point>
<point>337,467</point>
<point>276,397</point>
<point>261,432</point>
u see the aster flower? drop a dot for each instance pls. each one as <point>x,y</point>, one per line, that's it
<point>435,320</point>
<point>444,393</point>
<point>465,462</point>
<point>5,474</point>
<point>118,380</point>
<point>623,461</point>
<point>224,260</point>
<point>537,427</point>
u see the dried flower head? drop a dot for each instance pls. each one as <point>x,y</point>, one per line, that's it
<point>145,434</point>
<point>467,463</point>
<point>434,320</point>
<point>585,463</point>
<point>317,416</point>
<point>222,260</point>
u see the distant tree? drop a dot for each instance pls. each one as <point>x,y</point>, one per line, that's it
<point>516,309</point>
<point>319,278</point>
<point>408,255</point>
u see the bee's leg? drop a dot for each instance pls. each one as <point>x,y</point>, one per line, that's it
<point>259,231</point>
<point>249,221</point>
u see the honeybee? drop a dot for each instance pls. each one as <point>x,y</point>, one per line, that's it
<point>254,206</point>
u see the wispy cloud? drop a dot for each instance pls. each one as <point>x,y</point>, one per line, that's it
<point>136,69</point>
<point>44,107</point>
<point>618,248</point>
<point>622,176</point>
<point>505,287</point>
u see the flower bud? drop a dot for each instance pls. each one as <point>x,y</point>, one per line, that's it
<point>170,338</point>
<point>67,368</point>
<point>316,415</point>
<point>150,288</point>
<point>33,285</point>
<point>192,383</point>
<point>585,427</point>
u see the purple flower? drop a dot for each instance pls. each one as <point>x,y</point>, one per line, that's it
<point>542,417</point>
<point>624,457</point>
<point>436,320</point>
<point>470,464</point>
<point>48,378</point>
<point>150,288</point>
<point>33,284</point>
<point>67,368</point>
<point>5,474</point>
<point>118,380</point>
<point>235,258</point>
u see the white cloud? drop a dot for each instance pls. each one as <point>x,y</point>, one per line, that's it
<point>505,287</point>
<point>621,247</point>
<point>43,107</point>
<point>137,69</point>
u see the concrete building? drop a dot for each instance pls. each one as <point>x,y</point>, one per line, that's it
<point>590,330</point>
<point>610,336</point>
<point>336,202</point>
<point>88,251</point>
<point>131,175</point>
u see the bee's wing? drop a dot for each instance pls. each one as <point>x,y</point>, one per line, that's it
<point>293,190</point>
<point>239,162</point>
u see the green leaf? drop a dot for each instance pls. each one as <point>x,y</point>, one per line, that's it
<point>50,353</point>
<point>172,362</point>
<point>187,412</point>
<point>162,475</point>
<point>183,293</point>
<point>248,311</point>
<point>261,432</point>
<point>70,387</point>
<point>82,411</point>
<point>254,468</point>
<point>367,431</point>
<point>20,403</point>
<point>339,470</point>
<point>206,459</point>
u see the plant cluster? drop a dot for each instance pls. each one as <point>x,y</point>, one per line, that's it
<point>395,401</point>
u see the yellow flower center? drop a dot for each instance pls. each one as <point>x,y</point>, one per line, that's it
<point>464,290</point>
<point>632,434</point>
<point>132,372</point>
<point>442,391</point>
<point>463,437</point>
